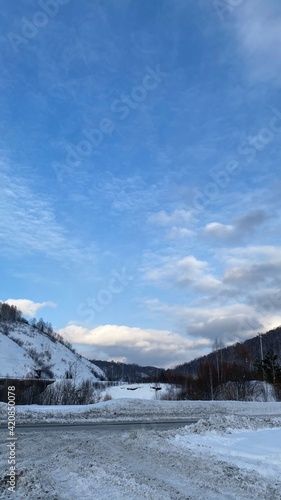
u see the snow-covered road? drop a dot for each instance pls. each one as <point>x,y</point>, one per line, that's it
<point>220,457</point>
<point>133,465</point>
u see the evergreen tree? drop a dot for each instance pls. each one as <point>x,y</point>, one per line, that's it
<point>269,367</point>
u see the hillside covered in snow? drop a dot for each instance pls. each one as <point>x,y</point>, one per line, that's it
<point>27,352</point>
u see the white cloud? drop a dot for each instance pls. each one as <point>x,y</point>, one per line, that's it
<point>181,271</point>
<point>253,254</point>
<point>243,300</point>
<point>259,37</point>
<point>28,307</point>
<point>219,230</point>
<point>239,228</point>
<point>231,323</point>
<point>177,217</point>
<point>137,344</point>
<point>252,266</point>
<point>177,233</point>
<point>28,223</point>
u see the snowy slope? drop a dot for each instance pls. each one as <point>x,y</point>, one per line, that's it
<point>36,350</point>
<point>14,360</point>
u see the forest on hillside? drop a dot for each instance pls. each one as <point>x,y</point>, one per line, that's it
<point>225,373</point>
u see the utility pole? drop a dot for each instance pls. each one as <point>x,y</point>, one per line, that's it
<point>261,347</point>
<point>263,374</point>
<point>211,383</point>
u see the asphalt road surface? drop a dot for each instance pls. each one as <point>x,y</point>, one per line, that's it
<point>104,426</point>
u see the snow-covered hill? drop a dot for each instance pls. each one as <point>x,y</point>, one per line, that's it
<point>24,349</point>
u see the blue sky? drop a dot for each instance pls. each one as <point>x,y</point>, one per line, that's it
<point>139,161</point>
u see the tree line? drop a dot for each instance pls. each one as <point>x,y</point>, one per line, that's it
<point>11,314</point>
<point>231,372</point>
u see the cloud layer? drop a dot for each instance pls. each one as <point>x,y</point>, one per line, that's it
<point>28,307</point>
<point>258,36</point>
<point>143,346</point>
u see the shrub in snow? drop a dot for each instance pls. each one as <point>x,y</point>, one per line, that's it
<point>17,341</point>
<point>251,390</point>
<point>5,329</point>
<point>171,394</point>
<point>67,392</point>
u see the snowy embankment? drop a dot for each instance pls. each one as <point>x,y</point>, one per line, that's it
<point>247,442</point>
<point>137,409</point>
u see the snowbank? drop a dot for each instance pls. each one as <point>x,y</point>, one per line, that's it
<point>136,409</point>
<point>246,442</point>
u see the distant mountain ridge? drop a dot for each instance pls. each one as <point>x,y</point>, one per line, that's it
<point>33,349</point>
<point>241,353</point>
<point>129,372</point>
